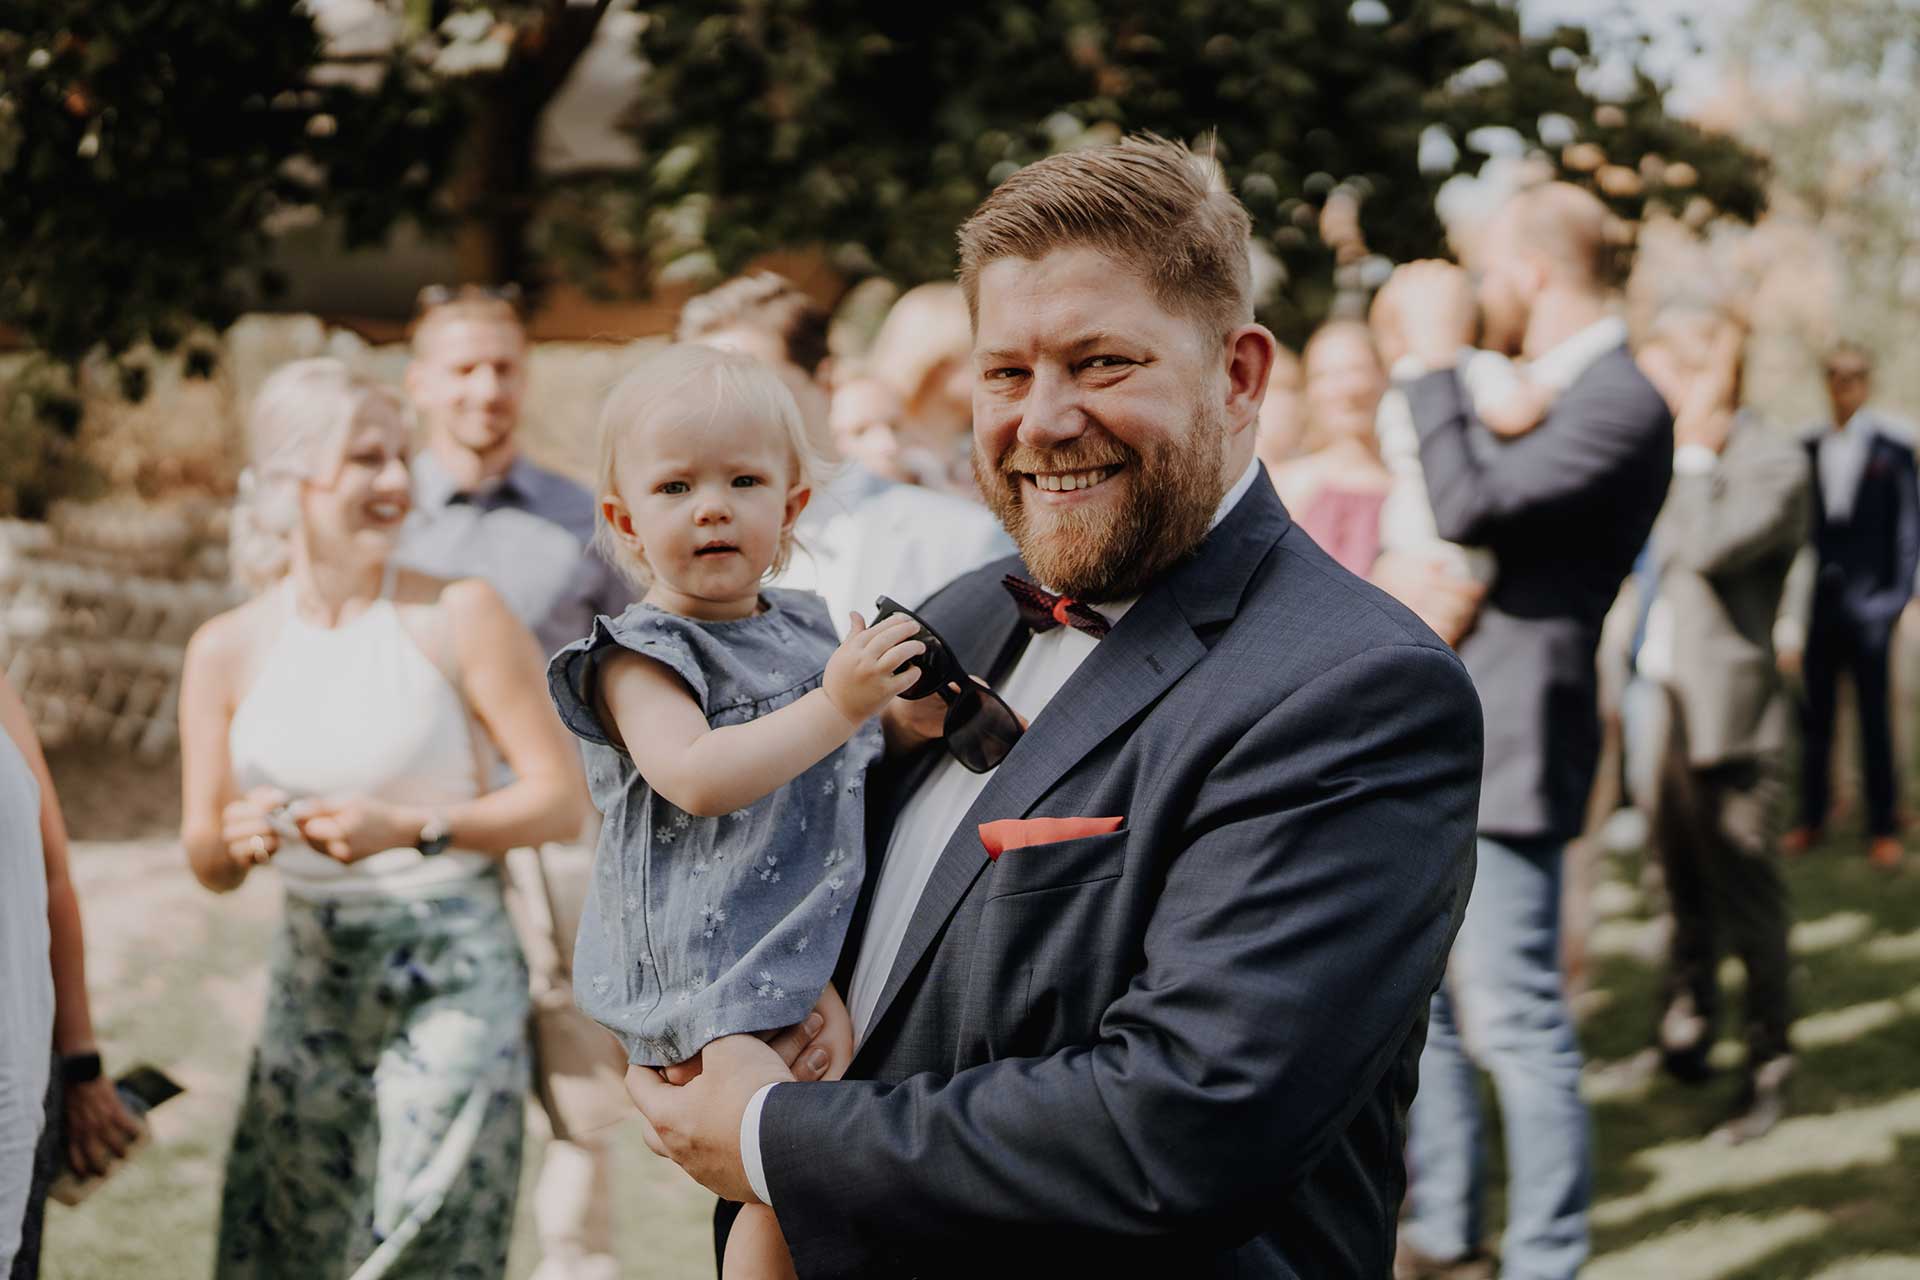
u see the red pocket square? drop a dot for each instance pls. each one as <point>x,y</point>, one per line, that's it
<point>1019,833</point>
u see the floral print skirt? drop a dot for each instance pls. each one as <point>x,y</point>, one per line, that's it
<point>381,1130</point>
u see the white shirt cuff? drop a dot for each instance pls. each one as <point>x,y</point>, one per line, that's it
<point>750,1145</point>
<point>1694,460</point>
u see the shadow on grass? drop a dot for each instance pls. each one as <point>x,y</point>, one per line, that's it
<point>1837,1181</point>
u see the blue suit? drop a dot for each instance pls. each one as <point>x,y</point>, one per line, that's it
<point>1866,565</point>
<point>1188,1044</point>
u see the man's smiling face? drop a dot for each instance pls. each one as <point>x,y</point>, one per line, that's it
<point>1099,421</point>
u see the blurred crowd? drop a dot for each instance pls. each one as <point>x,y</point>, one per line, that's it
<point>1657,592</point>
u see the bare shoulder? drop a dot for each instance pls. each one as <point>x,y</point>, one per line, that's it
<point>225,649</point>
<point>233,636</point>
<point>474,602</point>
<point>412,588</point>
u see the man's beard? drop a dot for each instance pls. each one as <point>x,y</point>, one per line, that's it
<point>1111,554</point>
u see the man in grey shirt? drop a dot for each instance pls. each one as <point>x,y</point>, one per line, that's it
<point>483,511</point>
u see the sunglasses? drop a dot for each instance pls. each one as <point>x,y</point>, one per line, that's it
<point>980,728</point>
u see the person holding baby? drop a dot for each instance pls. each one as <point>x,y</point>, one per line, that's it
<point>1141,989</point>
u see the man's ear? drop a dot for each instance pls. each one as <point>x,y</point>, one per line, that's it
<point>825,377</point>
<point>1249,356</point>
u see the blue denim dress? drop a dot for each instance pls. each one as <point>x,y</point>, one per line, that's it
<point>702,927</point>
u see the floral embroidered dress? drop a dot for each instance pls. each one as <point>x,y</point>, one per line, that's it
<point>695,927</point>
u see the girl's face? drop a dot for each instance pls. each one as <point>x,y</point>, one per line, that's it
<point>706,496</point>
<point>357,510</point>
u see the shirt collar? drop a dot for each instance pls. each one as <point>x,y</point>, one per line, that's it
<point>433,488</point>
<point>1562,364</point>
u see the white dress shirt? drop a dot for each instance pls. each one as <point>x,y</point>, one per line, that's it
<point>927,821</point>
<point>863,536</point>
<point>1842,458</point>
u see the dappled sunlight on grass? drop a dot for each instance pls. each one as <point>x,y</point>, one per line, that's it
<point>1894,948</point>
<point>1876,1268</point>
<point>1828,932</point>
<point>1686,1170</point>
<point>1839,1026</point>
<point>1707,1250</point>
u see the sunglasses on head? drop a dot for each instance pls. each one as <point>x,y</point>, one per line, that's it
<point>980,728</point>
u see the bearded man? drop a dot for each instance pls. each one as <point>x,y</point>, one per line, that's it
<point>1150,995</point>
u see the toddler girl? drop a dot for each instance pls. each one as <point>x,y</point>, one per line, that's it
<point>729,768</point>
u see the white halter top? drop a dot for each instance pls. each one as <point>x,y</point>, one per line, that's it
<point>357,709</point>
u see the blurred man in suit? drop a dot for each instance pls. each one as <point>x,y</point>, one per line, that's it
<point>1712,710</point>
<point>1866,541</point>
<point>1565,509</point>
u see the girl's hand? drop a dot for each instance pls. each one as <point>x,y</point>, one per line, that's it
<point>861,677</point>
<point>247,830</point>
<point>349,828</point>
<point>100,1129</point>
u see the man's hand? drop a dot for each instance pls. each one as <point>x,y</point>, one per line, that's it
<point>1433,302</point>
<point>1707,408</point>
<point>100,1129</point>
<point>697,1125</point>
<point>1441,598</point>
<point>908,726</point>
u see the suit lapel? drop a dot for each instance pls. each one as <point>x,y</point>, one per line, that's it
<point>1147,651</point>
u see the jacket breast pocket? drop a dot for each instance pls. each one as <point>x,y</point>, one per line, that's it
<point>1061,864</point>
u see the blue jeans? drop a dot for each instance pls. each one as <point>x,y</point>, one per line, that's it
<point>1503,1003</point>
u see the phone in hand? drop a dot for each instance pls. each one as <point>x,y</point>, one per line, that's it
<point>142,1089</point>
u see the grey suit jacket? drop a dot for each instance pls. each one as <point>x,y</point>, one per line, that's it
<point>1567,509</point>
<point>1724,544</point>
<point>1187,1045</point>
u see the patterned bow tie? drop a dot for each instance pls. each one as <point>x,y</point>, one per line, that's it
<point>1042,610</point>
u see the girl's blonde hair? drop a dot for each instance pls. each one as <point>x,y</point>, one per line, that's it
<point>295,431</point>
<point>678,376</point>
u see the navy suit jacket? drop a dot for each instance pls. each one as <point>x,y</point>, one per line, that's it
<point>1190,1043</point>
<point>1566,508</point>
<point>1867,562</point>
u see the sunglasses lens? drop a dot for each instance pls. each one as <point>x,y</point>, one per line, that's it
<point>980,729</point>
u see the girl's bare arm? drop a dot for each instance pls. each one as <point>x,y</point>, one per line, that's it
<point>708,771</point>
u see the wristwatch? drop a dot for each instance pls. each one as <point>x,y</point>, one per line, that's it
<point>435,835</point>
<point>79,1068</point>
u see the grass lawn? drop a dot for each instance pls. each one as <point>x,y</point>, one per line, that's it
<point>1833,1193</point>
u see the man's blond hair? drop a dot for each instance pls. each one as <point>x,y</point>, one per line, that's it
<point>471,306</point>
<point>1153,206</point>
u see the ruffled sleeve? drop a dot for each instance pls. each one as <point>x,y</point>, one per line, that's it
<point>651,633</point>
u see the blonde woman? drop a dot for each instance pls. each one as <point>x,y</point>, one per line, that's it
<point>341,726</point>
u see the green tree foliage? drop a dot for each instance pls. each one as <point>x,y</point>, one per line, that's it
<point>873,127</point>
<point>146,148</point>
